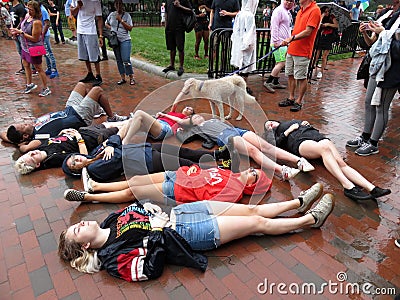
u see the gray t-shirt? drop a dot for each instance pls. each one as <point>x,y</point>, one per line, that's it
<point>213,128</point>
<point>122,33</point>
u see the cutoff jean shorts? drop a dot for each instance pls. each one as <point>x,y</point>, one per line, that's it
<point>166,131</point>
<point>168,188</point>
<point>196,223</point>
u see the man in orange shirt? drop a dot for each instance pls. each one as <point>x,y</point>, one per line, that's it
<point>300,50</point>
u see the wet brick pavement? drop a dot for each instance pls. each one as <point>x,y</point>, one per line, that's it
<point>357,238</point>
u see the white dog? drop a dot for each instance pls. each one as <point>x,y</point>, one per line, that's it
<point>218,92</point>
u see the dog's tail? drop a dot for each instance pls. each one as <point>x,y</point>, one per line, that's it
<point>249,98</point>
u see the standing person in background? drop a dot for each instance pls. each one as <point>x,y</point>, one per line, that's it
<point>71,19</point>
<point>356,11</point>
<point>222,13</point>
<point>88,42</point>
<point>328,26</point>
<point>50,59</point>
<point>31,35</point>
<point>55,21</point>
<point>18,12</point>
<point>244,39</point>
<point>162,14</point>
<point>104,14</point>
<point>6,21</point>
<point>299,52</point>
<point>202,10</point>
<point>281,21</point>
<point>175,32</point>
<point>267,16</point>
<point>120,22</point>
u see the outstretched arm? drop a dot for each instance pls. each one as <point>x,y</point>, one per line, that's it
<point>3,136</point>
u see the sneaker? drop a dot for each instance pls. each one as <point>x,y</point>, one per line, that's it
<point>304,165</point>
<point>296,107</point>
<point>355,143</point>
<point>378,192</point>
<point>278,86</point>
<point>286,102</point>
<point>89,78</point>
<point>48,72</point>
<point>309,196</point>
<point>87,181</point>
<point>397,242</point>
<point>98,81</point>
<point>367,149</point>
<point>73,38</point>
<point>54,74</point>
<point>356,193</point>
<point>169,68</point>
<point>100,113</point>
<point>35,73</point>
<point>20,72</point>
<point>269,88</point>
<point>29,88</point>
<point>235,161</point>
<point>74,195</point>
<point>319,75</point>
<point>288,172</point>
<point>117,118</point>
<point>322,210</point>
<point>45,92</point>
<point>249,91</point>
<point>180,71</point>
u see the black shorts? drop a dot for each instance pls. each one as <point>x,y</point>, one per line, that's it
<point>325,42</point>
<point>175,40</point>
<point>201,26</point>
<point>309,135</point>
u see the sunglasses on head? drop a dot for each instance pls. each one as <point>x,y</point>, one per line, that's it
<point>254,173</point>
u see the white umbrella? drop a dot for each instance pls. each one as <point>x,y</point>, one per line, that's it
<point>342,14</point>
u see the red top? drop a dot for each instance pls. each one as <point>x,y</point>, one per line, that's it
<point>309,16</point>
<point>172,123</point>
<point>214,184</point>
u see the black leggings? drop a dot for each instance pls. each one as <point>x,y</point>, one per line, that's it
<point>170,157</point>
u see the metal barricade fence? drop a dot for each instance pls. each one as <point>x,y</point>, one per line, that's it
<point>221,44</point>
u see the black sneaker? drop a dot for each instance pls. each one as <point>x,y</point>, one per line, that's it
<point>98,81</point>
<point>286,102</point>
<point>89,78</point>
<point>397,242</point>
<point>235,161</point>
<point>356,142</point>
<point>378,192</point>
<point>356,193</point>
<point>169,68</point>
<point>296,107</point>
<point>74,195</point>
<point>180,71</point>
<point>249,91</point>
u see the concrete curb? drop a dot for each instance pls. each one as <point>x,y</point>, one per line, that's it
<point>150,68</point>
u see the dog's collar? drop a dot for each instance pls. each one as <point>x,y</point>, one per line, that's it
<point>201,85</point>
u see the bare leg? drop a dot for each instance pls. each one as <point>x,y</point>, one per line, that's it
<point>291,86</point>
<point>235,227</point>
<point>28,71</point>
<point>269,149</point>
<point>88,66</point>
<point>302,90</point>
<point>42,75</point>
<point>97,94</point>
<point>249,150</point>
<point>152,191</point>
<point>143,122</point>
<point>277,69</point>
<point>269,210</point>
<point>97,68</point>
<point>138,180</point>
<point>325,54</point>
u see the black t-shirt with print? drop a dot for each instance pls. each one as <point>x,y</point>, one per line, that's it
<point>17,13</point>
<point>53,10</point>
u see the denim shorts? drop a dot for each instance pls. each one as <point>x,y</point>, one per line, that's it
<point>168,188</point>
<point>166,131</point>
<point>222,138</point>
<point>196,223</point>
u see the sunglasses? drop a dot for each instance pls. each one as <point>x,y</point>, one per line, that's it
<point>254,173</point>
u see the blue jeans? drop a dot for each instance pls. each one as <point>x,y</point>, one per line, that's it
<point>18,45</point>
<point>123,57</point>
<point>50,60</point>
